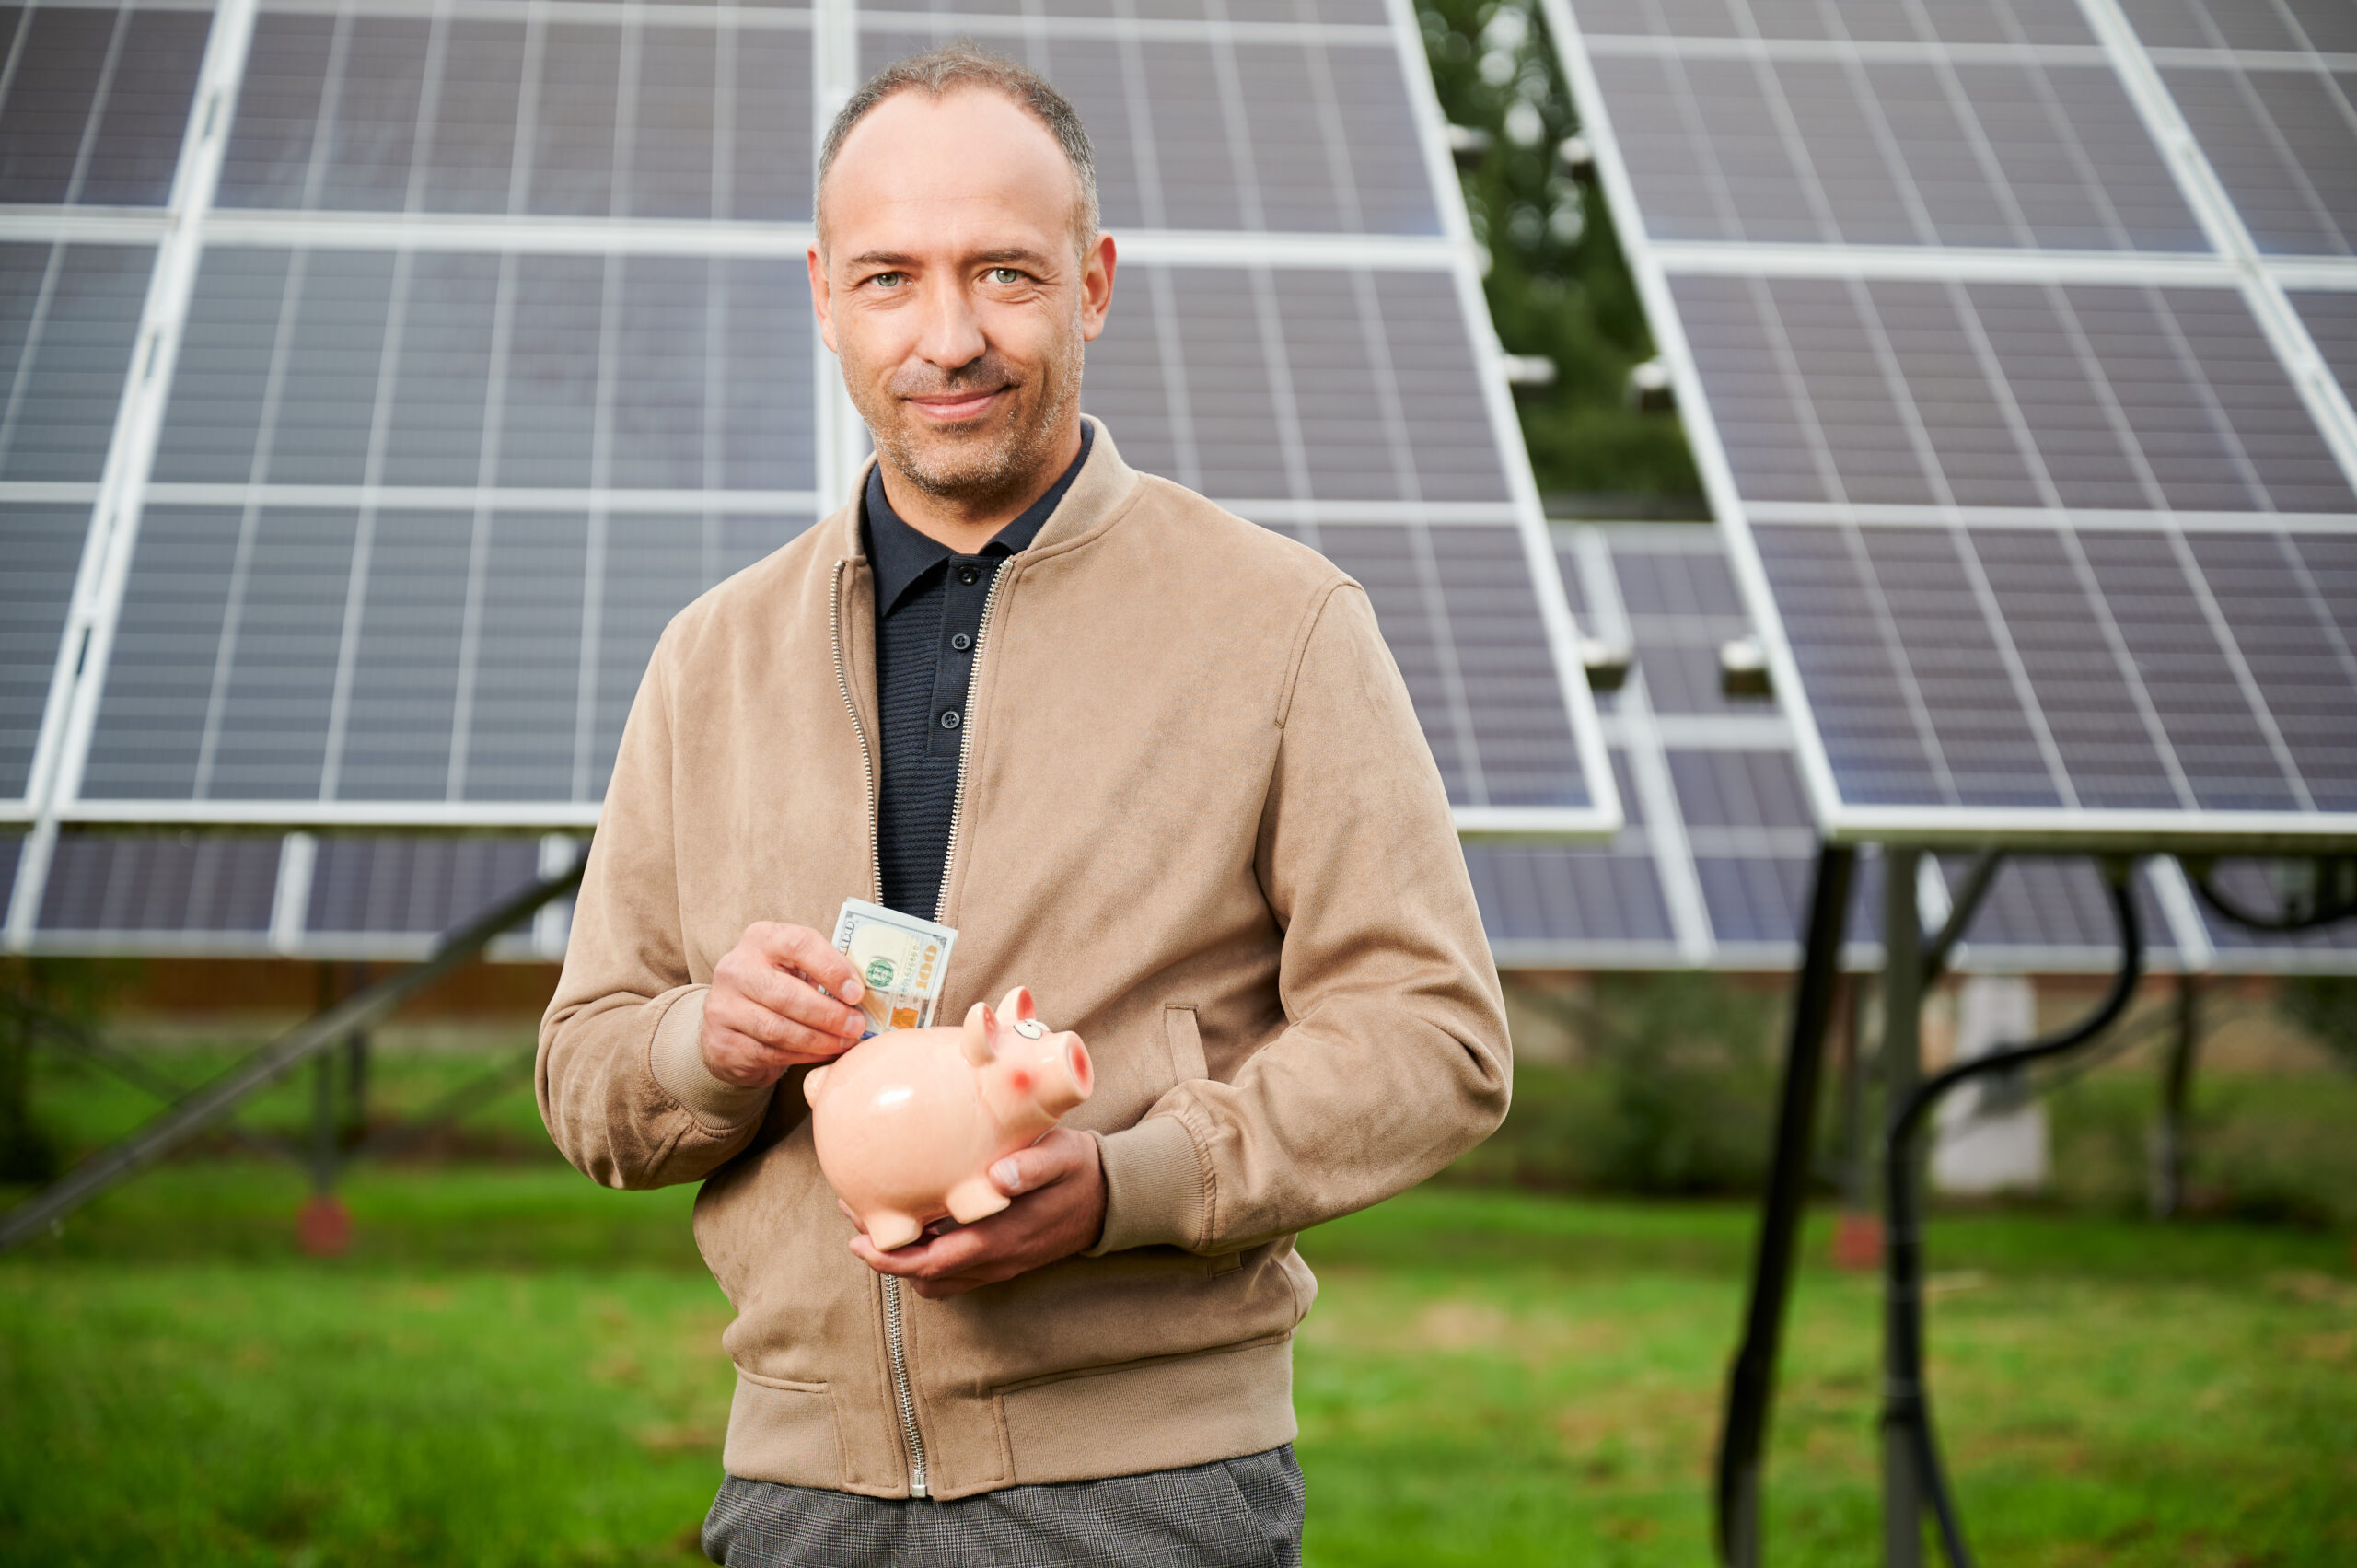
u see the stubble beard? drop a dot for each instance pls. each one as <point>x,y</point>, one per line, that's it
<point>973,470</point>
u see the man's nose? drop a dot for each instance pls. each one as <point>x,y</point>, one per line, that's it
<point>953,333</point>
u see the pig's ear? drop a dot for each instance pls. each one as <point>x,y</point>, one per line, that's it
<point>1018,1007</point>
<point>974,1038</point>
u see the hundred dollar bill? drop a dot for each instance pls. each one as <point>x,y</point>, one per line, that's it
<point>900,959</point>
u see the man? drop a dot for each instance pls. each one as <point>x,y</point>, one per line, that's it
<point>1150,760</point>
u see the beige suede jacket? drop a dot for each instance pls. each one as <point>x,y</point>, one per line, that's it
<point>1198,818</point>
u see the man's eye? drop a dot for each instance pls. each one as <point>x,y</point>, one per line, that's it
<point>888,280</point>
<point>1006,275</point>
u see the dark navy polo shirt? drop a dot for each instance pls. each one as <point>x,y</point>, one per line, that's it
<point>929,604</point>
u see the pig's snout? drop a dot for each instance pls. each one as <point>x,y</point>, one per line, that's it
<point>1065,1074</point>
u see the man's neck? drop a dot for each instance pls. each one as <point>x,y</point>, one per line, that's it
<point>965,530</point>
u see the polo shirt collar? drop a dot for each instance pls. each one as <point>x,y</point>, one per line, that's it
<point>902,555</point>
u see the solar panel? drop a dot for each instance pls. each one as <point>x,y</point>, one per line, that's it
<point>2036,452</point>
<point>1727,819</point>
<point>243,897</point>
<point>93,100</point>
<point>474,347</point>
<point>1735,811</point>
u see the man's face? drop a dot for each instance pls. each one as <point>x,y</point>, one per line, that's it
<point>954,292</point>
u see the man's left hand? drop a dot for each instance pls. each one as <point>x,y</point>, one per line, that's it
<point>1058,1209</point>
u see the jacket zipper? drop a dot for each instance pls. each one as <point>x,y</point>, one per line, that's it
<point>895,1341</point>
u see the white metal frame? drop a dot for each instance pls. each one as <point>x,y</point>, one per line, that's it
<point>2237,265</point>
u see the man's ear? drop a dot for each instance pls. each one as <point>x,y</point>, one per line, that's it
<point>822,297</point>
<point>1096,286</point>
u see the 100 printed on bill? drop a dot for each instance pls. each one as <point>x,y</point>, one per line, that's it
<point>900,959</point>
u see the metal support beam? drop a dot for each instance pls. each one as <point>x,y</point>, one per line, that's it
<point>1902,1019</point>
<point>176,1123</point>
<point>1752,1379</point>
<point>2167,1193</point>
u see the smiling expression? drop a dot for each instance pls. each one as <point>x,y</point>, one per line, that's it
<point>954,289</point>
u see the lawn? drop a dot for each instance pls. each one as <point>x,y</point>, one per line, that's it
<point>512,1366</point>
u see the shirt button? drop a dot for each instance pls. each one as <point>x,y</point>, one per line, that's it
<point>961,642</point>
<point>970,575</point>
<point>949,719</point>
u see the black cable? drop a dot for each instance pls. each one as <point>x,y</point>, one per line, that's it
<point>2290,918</point>
<point>1905,1403</point>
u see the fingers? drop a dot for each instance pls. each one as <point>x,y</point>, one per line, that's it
<point>728,1011</point>
<point>767,989</point>
<point>799,948</point>
<point>1061,1212</point>
<point>1061,1154</point>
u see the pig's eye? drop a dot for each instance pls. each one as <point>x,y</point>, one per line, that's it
<point>1030,1028</point>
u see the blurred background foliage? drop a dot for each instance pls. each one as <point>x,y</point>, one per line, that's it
<point>1558,285</point>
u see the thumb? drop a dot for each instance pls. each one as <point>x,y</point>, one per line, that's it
<point>1027,1170</point>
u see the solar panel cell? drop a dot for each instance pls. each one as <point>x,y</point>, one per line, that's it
<point>43,548</point>
<point>1987,749</point>
<point>521,744</point>
<point>1825,146</point>
<point>268,162</point>
<point>1606,897</point>
<point>158,708</point>
<point>573,128</point>
<point>470,156</point>
<point>642,372</point>
<point>1512,700</point>
<point>372,139</point>
<point>1753,899</point>
<point>68,315</point>
<point>330,368</point>
<point>2221,744</point>
<point>1738,789</point>
<point>1188,382</point>
<point>1223,134</point>
<point>414,885</point>
<point>2290,24</point>
<point>2004,395</point>
<point>441,396</point>
<point>2037,22</point>
<point>94,103</point>
<point>160,885</point>
<point>1455,448</point>
<point>2098,716</point>
<point>2284,144</point>
<point>560,119</point>
<point>2298,660</point>
<point>412,640</point>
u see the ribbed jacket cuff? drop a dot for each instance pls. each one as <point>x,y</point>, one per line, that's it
<point>1153,1187</point>
<point>678,1061</point>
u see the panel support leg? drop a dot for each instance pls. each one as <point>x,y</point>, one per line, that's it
<point>323,1228</point>
<point>1857,1226</point>
<point>2167,1187</point>
<point>1902,1004</point>
<point>1751,1380</point>
<point>26,1154</point>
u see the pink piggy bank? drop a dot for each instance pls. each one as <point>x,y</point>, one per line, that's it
<point>908,1123</point>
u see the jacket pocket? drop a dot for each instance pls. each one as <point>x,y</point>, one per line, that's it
<point>783,1432</point>
<point>1185,1037</point>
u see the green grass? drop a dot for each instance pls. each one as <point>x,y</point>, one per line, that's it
<point>516,1368</point>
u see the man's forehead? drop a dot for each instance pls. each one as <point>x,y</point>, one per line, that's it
<point>918,158</point>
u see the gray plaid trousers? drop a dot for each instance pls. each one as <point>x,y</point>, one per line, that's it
<point>1233,1513</point>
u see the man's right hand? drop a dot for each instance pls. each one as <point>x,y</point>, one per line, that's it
<point>767,1010</point>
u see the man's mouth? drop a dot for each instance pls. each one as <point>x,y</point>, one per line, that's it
<point>953,407</point>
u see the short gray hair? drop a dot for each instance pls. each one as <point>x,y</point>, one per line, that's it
<point>961,64</point>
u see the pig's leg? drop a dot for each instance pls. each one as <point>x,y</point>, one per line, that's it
<point>888,1230</point>
<point>974,1199</point>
